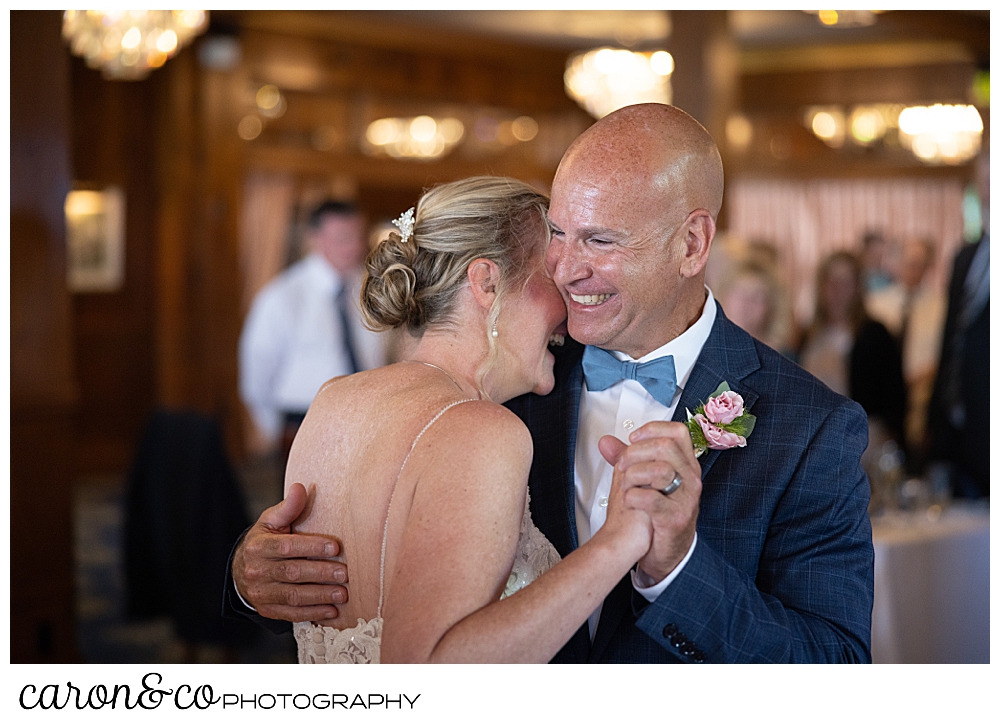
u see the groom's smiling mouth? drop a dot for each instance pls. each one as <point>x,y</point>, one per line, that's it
<point>590,300</point>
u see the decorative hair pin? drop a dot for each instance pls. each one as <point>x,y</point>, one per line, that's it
<point>405,224</point>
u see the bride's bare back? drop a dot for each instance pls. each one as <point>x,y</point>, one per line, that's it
<point>350,451</point>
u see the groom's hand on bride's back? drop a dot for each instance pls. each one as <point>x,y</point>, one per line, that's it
<point>273,572</point>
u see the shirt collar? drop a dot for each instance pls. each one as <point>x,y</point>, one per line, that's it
<point>324,271</point>
<point>686,347</point>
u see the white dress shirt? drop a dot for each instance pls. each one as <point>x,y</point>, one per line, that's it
<point>292,342</point>
<point>618,410</point>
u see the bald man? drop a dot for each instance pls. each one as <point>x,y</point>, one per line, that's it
<point>760,553</point>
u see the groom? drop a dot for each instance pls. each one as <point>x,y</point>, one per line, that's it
<point>763,553</point>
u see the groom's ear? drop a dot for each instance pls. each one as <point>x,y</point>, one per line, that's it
<point>483,278</point>
<point>698,242</point>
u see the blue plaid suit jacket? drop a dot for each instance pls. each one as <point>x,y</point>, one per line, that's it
<point>783,568</point>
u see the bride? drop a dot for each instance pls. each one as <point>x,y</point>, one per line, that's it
<point>422,473</point>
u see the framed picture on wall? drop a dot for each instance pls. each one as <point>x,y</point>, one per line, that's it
<point>95,240</point>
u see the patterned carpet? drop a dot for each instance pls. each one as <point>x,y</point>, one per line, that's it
<point>105,635</point>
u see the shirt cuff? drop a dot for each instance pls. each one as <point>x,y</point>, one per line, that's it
<point>644,585</point>
<point>243,600</point>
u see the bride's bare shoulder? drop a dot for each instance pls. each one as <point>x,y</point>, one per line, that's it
<point>391,397</point>
<point>483,431</point>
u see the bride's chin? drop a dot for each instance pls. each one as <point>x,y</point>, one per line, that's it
<point>545,384</point>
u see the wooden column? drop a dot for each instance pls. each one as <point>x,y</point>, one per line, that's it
<point>707,67</point>
<point>177,155</point>
<point>706,78</point>
<point>43,394</point>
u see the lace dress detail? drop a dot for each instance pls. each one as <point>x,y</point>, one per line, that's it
<point>327,645</point>
<point>361,644</point>
<point>534,555</point>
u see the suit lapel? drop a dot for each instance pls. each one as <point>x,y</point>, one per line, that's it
<point>728,356</point>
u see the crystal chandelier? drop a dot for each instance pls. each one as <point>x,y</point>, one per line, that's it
<point>606,79</point>
<point>127,44</point>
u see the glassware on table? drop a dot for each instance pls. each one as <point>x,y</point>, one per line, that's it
<point>885,477</point>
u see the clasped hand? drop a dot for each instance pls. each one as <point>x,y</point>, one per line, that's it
<point>658,451</point>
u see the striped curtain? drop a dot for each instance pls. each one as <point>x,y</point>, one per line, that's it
<point>808,220</point>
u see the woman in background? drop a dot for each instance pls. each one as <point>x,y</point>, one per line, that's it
<point>850,352</point>
<point>753,300</point>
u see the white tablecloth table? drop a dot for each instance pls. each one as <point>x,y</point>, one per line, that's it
<point>932,587</point>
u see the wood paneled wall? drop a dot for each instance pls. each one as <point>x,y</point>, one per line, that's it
<point>114,126</point>
<point>42,384</point>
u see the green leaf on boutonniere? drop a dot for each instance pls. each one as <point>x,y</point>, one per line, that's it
<point>724,387</point>
<point>742,425</point>
<point>697,435</point>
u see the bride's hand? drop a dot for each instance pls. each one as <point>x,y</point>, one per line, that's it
<point>630,526</point>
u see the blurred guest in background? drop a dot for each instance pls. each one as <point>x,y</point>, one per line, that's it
<point>764,254</point>
<point>852,353</point>
<point>754,300</point>
<point>874,258</point>
<point>914,312</point>
<point>959,419</point>
<point>305,326</point>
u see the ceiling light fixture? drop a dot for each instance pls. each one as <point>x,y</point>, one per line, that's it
<point>606,79</point>
<point>845,18</point>
<point>938,134</point>
<point>941,134</point>
<point>827,123</point>
<point>128,44</point>
<point>422,137</point>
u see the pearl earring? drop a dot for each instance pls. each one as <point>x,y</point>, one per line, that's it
<point>494,328</point>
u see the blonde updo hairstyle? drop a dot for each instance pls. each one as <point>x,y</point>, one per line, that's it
<point>414,284</point>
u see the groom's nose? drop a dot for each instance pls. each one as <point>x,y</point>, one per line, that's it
<point>565,263</point>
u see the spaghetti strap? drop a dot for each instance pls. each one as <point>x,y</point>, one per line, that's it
<point>385,527</point>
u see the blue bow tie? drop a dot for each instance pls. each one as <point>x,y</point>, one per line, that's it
<point>601,369</point>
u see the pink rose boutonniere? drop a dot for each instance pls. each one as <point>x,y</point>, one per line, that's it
<point>721,423</point>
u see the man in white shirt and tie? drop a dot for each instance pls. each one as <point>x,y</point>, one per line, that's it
<point>304,326</point>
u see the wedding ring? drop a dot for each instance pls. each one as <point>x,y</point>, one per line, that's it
<point>674,484</point>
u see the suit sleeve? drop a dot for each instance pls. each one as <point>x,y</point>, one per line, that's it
<point>812,597</point>
<point>234,608</point>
